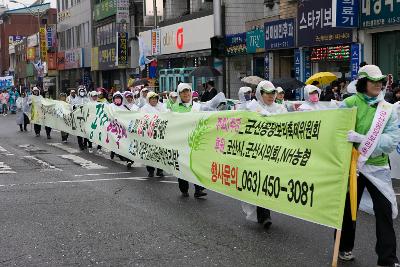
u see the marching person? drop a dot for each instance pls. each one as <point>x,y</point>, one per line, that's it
<point>184,104</point>
<point>71,97</point>
<point>24,109</point>
<point>64,135</point>
<point>173,96</point>
<point>143,97</point>
<point>80,100</point>
<point>4,97</point>
<point>280,97</point>
<point>378,123</point>
<point>102,95</point>
<point>129,102</point>
<point>311,97</point>
<point>244,98</point>
<point>14,95</point>
<point>265,104</point>
<point>153,106</point>
<point>37,98</point>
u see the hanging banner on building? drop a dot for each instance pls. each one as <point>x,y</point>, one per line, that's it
<point>122,49</point>
<point>314,25</point>
<point>52,61</point>
<point>43,44</point>
<point>74,58</point>
<point>107,57</point>
<point>379,13</point>
<point>6,82</point>
<point>31,53</point>
<point>279,34</point>
<point>235,44</point>
<point>61,60</point>
<point>14,39</point>
<point>266,67</point>
<point>296,164</point>
<point>297,64</point>
<point>307,64</point>
<point>95,59</point>
<point>355,60</point>
<point>122,15</point>
<point>51,36</point>
<point>345,13</point>
<point>105,9</point>
<point>255,41</point>
<point>156,42</point>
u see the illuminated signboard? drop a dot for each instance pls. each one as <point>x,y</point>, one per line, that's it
<point>331,53</point>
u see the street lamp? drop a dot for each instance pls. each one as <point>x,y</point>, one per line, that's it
<point>38,15</point>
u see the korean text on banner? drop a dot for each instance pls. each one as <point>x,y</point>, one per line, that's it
<point>296,164</point>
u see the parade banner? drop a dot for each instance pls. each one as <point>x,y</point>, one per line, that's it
<point>295,163</point>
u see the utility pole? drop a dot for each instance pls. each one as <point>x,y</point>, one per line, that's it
<point>155,14</point>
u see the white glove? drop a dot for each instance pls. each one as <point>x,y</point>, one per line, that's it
<point>354,137</point>
<point>265,113</point>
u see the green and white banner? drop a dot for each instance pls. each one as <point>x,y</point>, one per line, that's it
<point>295,163</point>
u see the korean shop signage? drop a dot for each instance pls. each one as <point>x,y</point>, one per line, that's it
<point>379,13</point>
<point>279,34</point>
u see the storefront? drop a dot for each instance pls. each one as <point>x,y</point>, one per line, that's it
<point>179,47</point>
<point>322,47</point>
<point>381,36</point>
<point>255,44</point>
<point>71,68</point>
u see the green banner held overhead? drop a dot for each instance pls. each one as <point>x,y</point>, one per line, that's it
<point>295,163</point>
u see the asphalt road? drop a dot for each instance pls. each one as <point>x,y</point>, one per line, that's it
<point>63,207</point>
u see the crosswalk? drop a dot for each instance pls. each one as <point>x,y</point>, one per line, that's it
<point>5,169</point>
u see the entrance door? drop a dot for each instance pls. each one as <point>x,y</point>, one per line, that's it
<point>388,53</point>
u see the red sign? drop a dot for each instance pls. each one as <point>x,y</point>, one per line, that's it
<point>179,38</point>
<point>331,53</point>
<point>51,61</point>
<point>61,60</point>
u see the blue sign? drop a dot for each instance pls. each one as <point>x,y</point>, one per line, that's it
<point>345,13</point>
<point>355,60</point>
<point>235,44</point>
<point>279,34</point>
<point>297,64</point>
<point>307,65</point>
<point>379,13</point>
<point>266,66</point>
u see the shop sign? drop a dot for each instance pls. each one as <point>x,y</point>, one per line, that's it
<point>6,81</point>
<point>345,13</point>
<point>235,44</point>
<point>122,11</point>
<point>107,57</point>
<point>255,41</point>
<point>155,42</point>
<point>331,53</point>
<point>297,64</point>
<point>307,65</point>
<point>379,13</point>
<point>52,61</point>
<point>266,66</point>
<point>14,39</point>
<point>43,44</point>
<point>32,40</point>
<point>355,60</point>
<point>122,49</point>
<point>62,15</point>
<point>74,58</point>
<point>95,59</point>
<point>150,7</point>
<point>314,25</point>
<point>31,53</point>
<point>61,60</point>
<point>192,35</point>
<point>279,34</point>
<point>51,36</point>
<point>105,9</point>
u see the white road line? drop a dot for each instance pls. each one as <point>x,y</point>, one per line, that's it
<point>64,147</point>
<point>5,169</point>
<point>43,164</point>
<point>3,150</point>
<point>99,174</point>
<point>169,182</point>
<point>87,164</point>
<point>31,148</point>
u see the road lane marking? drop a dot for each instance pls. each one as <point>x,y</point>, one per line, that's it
<point>99,174</point>
<point>64,147</point>
<point>33,149</point>
<point>169,182</point>
<point>87,164</point>
<point>3,150</point>
<point>44,165</point>
<point>79,181</point>
<point>5,169</point>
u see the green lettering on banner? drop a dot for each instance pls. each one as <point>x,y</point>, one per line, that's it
<point>296,163</point>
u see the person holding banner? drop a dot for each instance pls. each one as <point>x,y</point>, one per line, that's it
<point>129,102</point>
<point>173,96</point>
<point>64,135</point>
<point>184,104</point>
<point>102,96</point>
<point>37,98</point>
<point>24,110</point>
<point>311,97</point>
<point>280,98</point>
<point>153,106</point>
<point>376,135</point>
<point>266,105</point>
<point>80,100</point>
<point>244,98</point>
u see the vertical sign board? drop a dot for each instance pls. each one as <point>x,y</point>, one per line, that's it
<point>149,4</point>
<point>122,49</point>
<point>297,64</point>
<point>355,60</point>
<point>43,44</point>
<point>345,13</point>
<point>51,36</point>
<point>122,11</point>
<point>266,66</point>
<point>307,64</point>
<point>156,42</point>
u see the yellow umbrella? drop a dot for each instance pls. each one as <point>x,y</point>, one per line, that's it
<point>322,78</point>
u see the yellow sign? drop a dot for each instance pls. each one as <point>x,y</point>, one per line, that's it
<point>43,43</point>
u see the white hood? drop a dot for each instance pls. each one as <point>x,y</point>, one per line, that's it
<point>181,87</point>
<point>308,89</point>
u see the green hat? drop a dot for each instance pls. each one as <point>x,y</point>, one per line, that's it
<point>371,72</point>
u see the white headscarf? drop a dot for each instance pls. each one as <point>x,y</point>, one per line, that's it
<point>243,102</point>
<point>260,106</point>
<point>308,105</point>
<point>149,108</point>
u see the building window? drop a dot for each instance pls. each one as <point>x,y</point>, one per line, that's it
<point>78,31</point>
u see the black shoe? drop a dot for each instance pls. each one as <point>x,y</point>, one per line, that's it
<point>200,194</point>
<point>48,137</point>
<point>151,174</point>
<point>112,155</point>
<point>186,194</point>
<point>267,223</point>
<point>25,130</point>
<point>160,174</point>
<point>37,135</point>
<point>82,148</point>
<point>129,165</point>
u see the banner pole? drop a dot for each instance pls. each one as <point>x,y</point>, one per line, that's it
<point>336,248</point>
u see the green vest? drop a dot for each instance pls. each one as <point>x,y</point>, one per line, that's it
<point>181,108</point>
<point>365,116</point>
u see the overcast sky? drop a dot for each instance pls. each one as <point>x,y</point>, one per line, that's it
<point>53,3</point>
